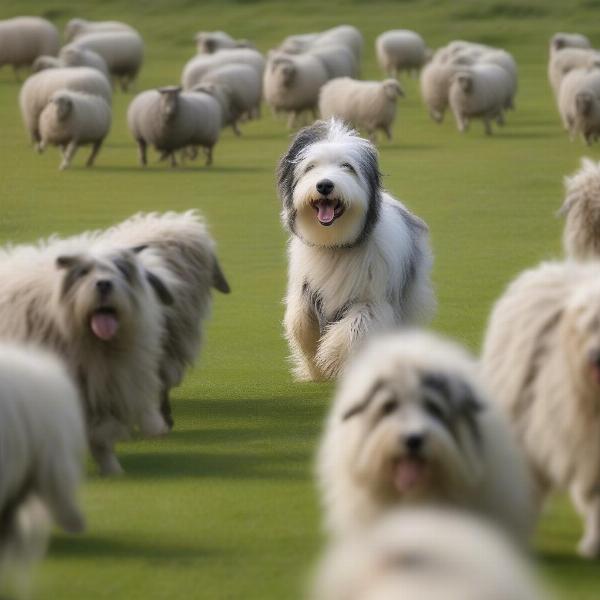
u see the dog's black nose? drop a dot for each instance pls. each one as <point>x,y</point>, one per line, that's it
<point>104,286</point>
<point>414,442</point>
<point>325,186</point>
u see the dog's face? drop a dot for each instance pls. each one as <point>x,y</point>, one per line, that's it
<point>330,186</point>
<point>100,294</point>
<point>416,434</point>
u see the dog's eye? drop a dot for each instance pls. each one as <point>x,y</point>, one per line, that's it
<point>83,271</point>
<point>348,167</point>
<point>435,410</point>
<point>389,407</point>
<point>309,168</point>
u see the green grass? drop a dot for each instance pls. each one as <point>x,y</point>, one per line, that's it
<point>225,506</point>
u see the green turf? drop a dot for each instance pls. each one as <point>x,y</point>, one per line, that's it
<point>225,506</point>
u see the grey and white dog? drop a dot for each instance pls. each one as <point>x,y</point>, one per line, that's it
<point>359,261</point>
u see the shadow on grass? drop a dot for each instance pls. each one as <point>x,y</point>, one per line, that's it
<point>94,547</point>
<point>568,561</point>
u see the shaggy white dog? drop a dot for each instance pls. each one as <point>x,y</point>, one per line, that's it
<point>97,309</point>
<point>426,554</point>
<point>359,261</point>
<point>581,238</point>
<point>42,447</point>
<point>180,251</point>
<point>410,425</point>
<point>541,359</point>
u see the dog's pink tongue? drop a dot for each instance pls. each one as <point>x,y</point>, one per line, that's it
<point>326,212</point>
<point>408,474</point>
<point>104,326</point>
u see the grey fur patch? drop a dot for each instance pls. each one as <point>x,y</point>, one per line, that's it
<point>362,406</point>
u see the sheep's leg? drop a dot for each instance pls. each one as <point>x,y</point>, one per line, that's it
<point>236,129</point>
<point>95,149</point>
<point>587,503</point>
<point>68,155</point>
<point>388,131</point>
<point>173,159</point>
<point>142,152</point>
<point>500,119</point>
<point>462,122</point>
<point>124,83</point>
<point>487,125</point>
<point>209,155</point>
<point>291,122</point>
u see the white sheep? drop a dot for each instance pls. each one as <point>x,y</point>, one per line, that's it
<point>45,62</point>
<point>38,88</point>
<point>568,40</point>
<point>238,88</point>
<point>198,66</point>
<point>73,56</point>
<point>563,62</point>
<point>23,39</point>
<point>345,35</point>
<point>481,91</point>
<point>73,119</point>
<point>435,82</point>
<point>366,105</point>
<point>123,52</point>
<point>449,51</point>
<point>78,27</point>
<point>338,60</point>
<point>209,42</point>
<point>400,50</point>
<point>171,120</point>
<point>295,44</point>
<point>579,103</point>
<point>292,83</point>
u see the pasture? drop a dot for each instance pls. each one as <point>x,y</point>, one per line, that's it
<point>225,506</point>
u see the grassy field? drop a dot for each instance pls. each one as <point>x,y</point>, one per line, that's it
<point>225,506</point>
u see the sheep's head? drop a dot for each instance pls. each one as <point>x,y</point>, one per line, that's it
<point>64,106</point>
<point>285,69</point>
<point>392,89</point>
<point>465,81</point>
<point>168,101</point>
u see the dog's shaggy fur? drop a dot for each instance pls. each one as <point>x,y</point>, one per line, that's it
<point>426,554</point>
<point>359,261</point>
<point>42,447</point>
<point>182,254</point>
<point>541,359</point>
<point>581,238</point>
<point>97,309</point>
<point>410,425</point>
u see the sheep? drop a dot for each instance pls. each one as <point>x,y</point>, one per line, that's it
<point>563,62</point>
<point>38,88</point>
<point>481,91</point>
<point>295,44</point>
<point>123,52</point>
<point>400,50</point>
<point>343,35</point>
<point>435,82</point>
<point>238,88</point>
<point>339,61</point>
<point>196,68</point>
<point>72,56</point>
<point>72,119</point>
<point>23,39</point>
<point>367,105</point>
<point>209,42</point>
<point>568,40</point>
<point>78,27</point>
<point>448,52</point>
<point>45,62</point>
<point>291,83</point>
<point>579,103</point>
<point>171,120</point>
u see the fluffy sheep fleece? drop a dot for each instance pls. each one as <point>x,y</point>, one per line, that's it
<point>210,42</point>
<point>426,554</point>
<point>172,120</point>
<point>563,62</point>
<point>41,462</point>
<point>400,50</point>
<point>96,308</point>
<point>23,39</point>
<point>72,119</point>
<point>581,236</point>
<point>78,27</point>
<point>38,89</point>
<point>541,360</point>
<point>412,425</point>
<point>72,56</point>
<point>579,104</point>
<point>560,40</point>
<point>183,254</point>
<point>366,105</point>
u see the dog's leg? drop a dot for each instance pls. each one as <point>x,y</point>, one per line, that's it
<point>302,332</point>
<point>587,503</point>
<point>102,437</point>
<point>342,337</point>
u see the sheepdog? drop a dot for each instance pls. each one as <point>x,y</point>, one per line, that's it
<point>541,360</point>
<point>42,447</point>
<point>98,309</point>
<point>412,425</point>
<point>581,238</point>
<point>180,251</point>
<point>359,261</point>
<point>426,554</point>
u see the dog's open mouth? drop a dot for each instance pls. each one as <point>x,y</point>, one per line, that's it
<point>104,323</point>
<point>328,210</point>
<point>409,473</point>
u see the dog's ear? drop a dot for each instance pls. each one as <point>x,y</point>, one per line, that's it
<point>219,281</point>
<point>67,261</point>
<point>159,287</point>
